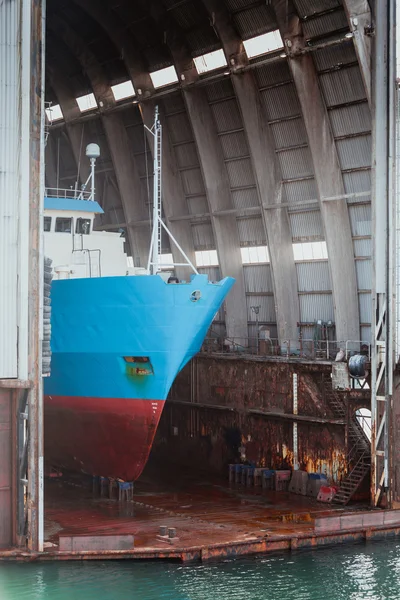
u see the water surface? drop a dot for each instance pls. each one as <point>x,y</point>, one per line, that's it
<point>358,572</point>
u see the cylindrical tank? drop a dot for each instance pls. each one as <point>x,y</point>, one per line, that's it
<point>357,366</point>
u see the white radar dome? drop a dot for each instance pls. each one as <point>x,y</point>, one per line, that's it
<point>93,151</point>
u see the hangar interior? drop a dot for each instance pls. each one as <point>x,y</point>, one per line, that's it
<point>266,109</point>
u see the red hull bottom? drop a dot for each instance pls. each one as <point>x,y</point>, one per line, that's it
<point>111,437</point>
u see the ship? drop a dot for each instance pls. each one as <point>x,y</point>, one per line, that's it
<point>119,335</point>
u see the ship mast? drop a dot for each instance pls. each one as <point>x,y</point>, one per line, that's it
<point>154,262</point>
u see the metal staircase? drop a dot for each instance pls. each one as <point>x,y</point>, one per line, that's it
<point>359,455</point>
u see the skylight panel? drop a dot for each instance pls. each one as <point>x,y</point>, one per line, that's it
<point>206,258</point>
<point>164,77</point>
<point>123,90</point>
<point>210,61</point>
<point>310,251</point>
<point>254,255</point>
<point>87,102</point>
<point>54,113</point>
<point>262,44</point>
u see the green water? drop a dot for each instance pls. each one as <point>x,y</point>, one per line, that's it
<point>352,572</point>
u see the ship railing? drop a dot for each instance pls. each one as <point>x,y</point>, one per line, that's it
<point>308,349</point>
<point>71,194</point>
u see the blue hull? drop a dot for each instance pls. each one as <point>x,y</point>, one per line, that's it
<point>119,338</point>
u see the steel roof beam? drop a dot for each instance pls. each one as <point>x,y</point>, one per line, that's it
<point>360,22</point>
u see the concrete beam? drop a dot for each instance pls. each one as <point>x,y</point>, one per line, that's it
<point>328,177</point>
<point>117,139</point>
<point>219,197</point>
<point>359,16</point>
<point>267,174</point>
<point>174,201</point>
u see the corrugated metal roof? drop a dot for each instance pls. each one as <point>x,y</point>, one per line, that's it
<point>258,278</point>
<point>366,334</point>
<point>203,236</point>
<point>325,24</point>
<point>227,115</point>
<point>179,128</point>
<point>192,180</point>
<point>365,304</point>
<point>316,306</point>
<point>255,21</point>
<point>202,39</point>
<point>313,276</point>
<point>234,144</point>
<point>364,275</point>
<point>289,133</point>
<point>240,173</point>
<point>306,226</point>
<point>332,56</point>
<point>349,120</point>
<point>173,103</point>
<point>251,231</point>
<point>197,205</point>
<point>245,198</point>
<point>296,163</point>
<point>340,87</point>
<point>360,219</point>
<point>267,308</point>
<point>135,135</point>
<point>272,74</point>
<point>11,156</point>
<point>213,273</point>
<point>297,191</point>
<point>219,90</point>
<point>186,155</point>
<point>354,152</point>
<point>281,102</point>
<point>363,247</point>
<point>358,181</point>
<point>306,8</point>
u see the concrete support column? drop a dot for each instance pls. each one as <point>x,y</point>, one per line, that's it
<point>359,16</point>
<point>328,177</point>
<point>276,221</point>
<point>219,198</point>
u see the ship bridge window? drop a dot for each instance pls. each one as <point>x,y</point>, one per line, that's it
<point>82,226</point>
<point>47,224</point>
<point>63,225</point>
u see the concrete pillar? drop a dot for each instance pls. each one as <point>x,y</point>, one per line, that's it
<point>219,198</point>
<point>359,16</point>
<point>51,163</point>
<point>328,177</point>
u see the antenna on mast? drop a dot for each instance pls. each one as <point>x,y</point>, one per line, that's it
<point>154,262</point>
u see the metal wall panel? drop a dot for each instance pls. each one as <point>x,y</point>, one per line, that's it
<point>366,334</point>
<point>340,87</point>
<point>363,247</point>
<point>316,306</point>
<point>267,308</point>
<point>281,102</point>
<point>245,198</point>
<point>325,24</point>
<point>234,144</point>
<point>192,180</point>
<point>251,231</point>
<point>10,160</point>
<point>227,115</point>
<point>289,133</point>
<point>306,226</point>
<point>360,219</point>
<point>213,273</point>
<point>296,163</point>
<point>333,56</point>
<point>240,173</point>
<point>365,303</point>
<point>306,8</point>
<point>364,274</point>
<point>179,128</point>
<point>313,276</point>
<point>354,152</point>
<point>186,155</point>
<point>273,73</point>
<point>255,21</point>
<point>197,205</point>
<point>203,236</point>
<point>357,181</point>
<point>353,119</point>
<point>258,278</point>
<point>6,513</point>
<point>173,103</point>
<point>296,191</point>
<point>219,89</point>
